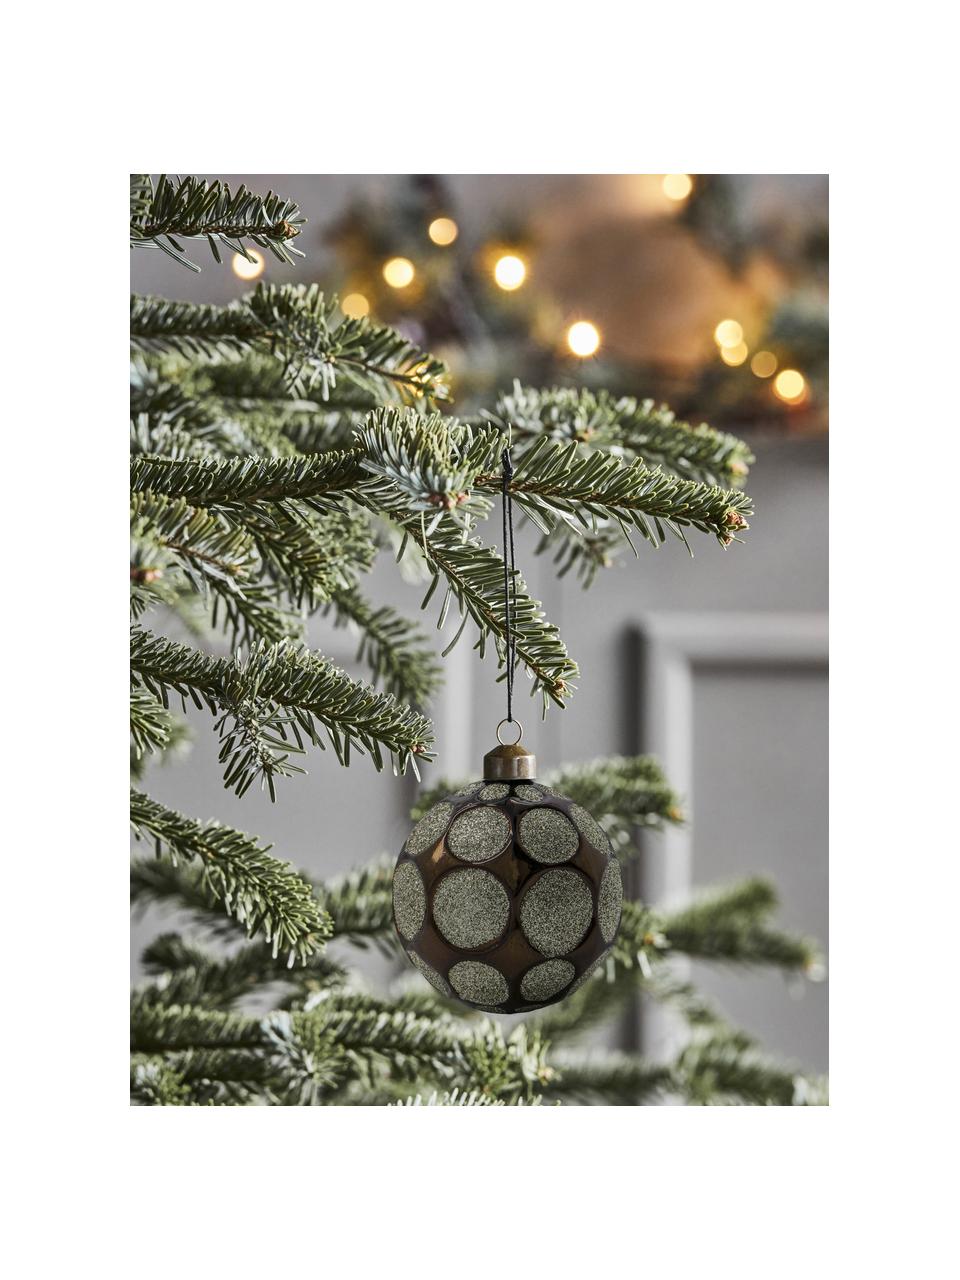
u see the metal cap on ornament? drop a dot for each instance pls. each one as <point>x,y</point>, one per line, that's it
<point>510,761</point>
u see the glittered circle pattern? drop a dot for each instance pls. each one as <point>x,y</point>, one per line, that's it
<point>543,981</point>
<point>547,835</point>
<point>479,983</point>
<point>556,911</point>
<point>430,974</point>
<point>494,792</point>
<point>528,793</point>
<point>471,908</point>
<point>409,899</point>
<point>429,829</point>
<point>610,901</point>
<point>590,828</point>
<point>477,835</point>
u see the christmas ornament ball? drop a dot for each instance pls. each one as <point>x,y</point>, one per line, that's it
<point>506,895</point>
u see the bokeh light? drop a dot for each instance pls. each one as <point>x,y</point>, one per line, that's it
<point>764,364</point>
<point>398,272</point>
<point>734,355</point>
<point>677,186</point>
<point>355,305</point>
<point>728,333</point>
<point>510,272</point>
<point>790,385</point>
<point>246,269</point>
<point>443,231</point>
<point>583,338</point>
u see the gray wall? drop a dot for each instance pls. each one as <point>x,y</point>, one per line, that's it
<point>746,727</point>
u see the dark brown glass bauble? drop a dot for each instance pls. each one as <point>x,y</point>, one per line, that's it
<point>507,895</point>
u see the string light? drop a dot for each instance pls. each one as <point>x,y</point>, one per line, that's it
<point>790,385</point>
<point>510,272</point>
<point>443,231</point>
<point>355,305</point>
<point>728,333</point>
<point>677,186</point>
<point>764,364</point>
<point>734,355</point>
<point>246,269</point>
<point>583,338</point>
<point>398,272</point>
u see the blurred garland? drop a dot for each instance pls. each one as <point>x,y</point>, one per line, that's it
<point>490,335</point>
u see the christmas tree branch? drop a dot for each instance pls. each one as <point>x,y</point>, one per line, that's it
<point>360,904</point>
<point>305,331</point>
<point>271,700</point>
<point>474,578</point>
<point>263,894</point>
<point>609,1079</point>
<point>396,651</point>
<point>630,427</point>
<point>151,724</point>
<point>727,1069</point>
<point>554,480</point>
<point>187,974</point>
<point>727,926</point>
<point>169,210</point>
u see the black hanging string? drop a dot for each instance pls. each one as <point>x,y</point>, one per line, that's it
<point>509,577</point>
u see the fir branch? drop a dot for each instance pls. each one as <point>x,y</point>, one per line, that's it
<point>317,481</point>
<point>156,1083</point>
<point>151,723</point>
<point>217,560</point>
<point>552,480</point>
<point>586,551</point>
<point>610,1080</point>
<point>205,1077</point>
<point>462,1098</point>
<point>474,578</point>
<point>187,974</point>
<point>360,904</point>
<point>156,1027</point>
<point>727,1069</point>
<point>305,331</point>
<point>159,881</point>
<point>635,428</point>
<point>395,650</point>
<point>271,700</point>
<point>191,208</point>
<point>263,894</point>
<point>623,793</point>
<point>432,460</point>
<point>726,926</point>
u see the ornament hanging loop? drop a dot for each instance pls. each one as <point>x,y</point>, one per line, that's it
<point>509,580</point>
<point>516,739</point>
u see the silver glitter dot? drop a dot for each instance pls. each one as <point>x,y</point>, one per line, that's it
<point>556,911</point>
<point>479,983</point>
<point>470,789</point>
<point>431,975</point>
<point>545,980</point>
<point>471,908</point>
<point>610,901</point>
<point>409,899</point>
<point>548,835</point>
<point>496,791</point>
<point>588,973</point>
<point>590,828</point>
<point>477,835</point>
<point>528,793</point>
<point>429,829</point>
